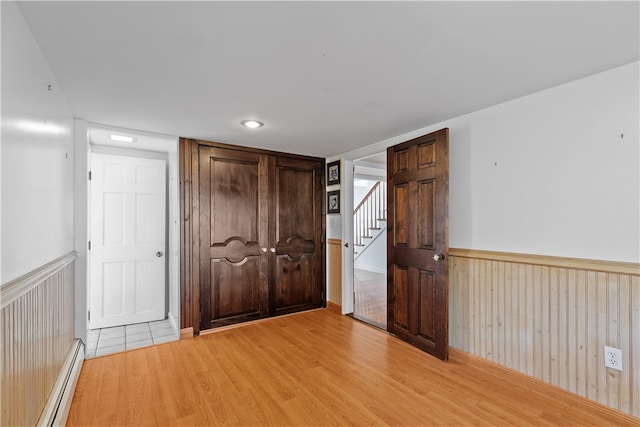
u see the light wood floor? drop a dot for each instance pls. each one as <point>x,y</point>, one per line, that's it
<point>312,369</point>
<point>370,302</point>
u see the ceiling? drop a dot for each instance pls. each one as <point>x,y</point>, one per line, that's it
<point>324,77</point>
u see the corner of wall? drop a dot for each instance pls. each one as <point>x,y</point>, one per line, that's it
<point>80,231</point>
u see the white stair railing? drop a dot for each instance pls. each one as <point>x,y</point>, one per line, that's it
<point>368,215</point>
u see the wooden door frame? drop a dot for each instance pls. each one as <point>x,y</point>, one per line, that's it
<point>190,213</point>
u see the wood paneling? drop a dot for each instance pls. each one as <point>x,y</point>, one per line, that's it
<point>316,368</point>
<point>417,238</point>
<point>297,196</point>
<point>232,193</point>
<point>37,333</point>
<point>186,240</point>
<point>334,248</point>
<point>251,218</point>
<point>550,318</point>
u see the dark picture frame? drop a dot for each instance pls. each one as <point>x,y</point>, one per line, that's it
<point>333,202</point>
<point>333,173</point>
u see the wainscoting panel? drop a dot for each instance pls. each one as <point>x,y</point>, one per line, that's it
<point>550,318</point>
<point>37,324</point>
<point>334,248</point>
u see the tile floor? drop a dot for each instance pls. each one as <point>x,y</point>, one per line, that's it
<point>101,342</point>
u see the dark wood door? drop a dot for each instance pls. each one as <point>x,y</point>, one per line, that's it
<point>417,242</point>
<point>260,233</point>
<point>298,268</point>
<point>233,234</point>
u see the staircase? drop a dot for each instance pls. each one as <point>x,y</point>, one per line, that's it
<point>370,218</point>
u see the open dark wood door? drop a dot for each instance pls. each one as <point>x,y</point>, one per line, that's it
<point>233,232</point>
<point>417,242</point>
<point>298,273</point>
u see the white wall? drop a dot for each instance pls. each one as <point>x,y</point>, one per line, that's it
<point>359,191</point>
<point>334,221</point>
<point>80,224</point>
<point>548,173</point>
<point>37,155</point>
<point>374,257</point>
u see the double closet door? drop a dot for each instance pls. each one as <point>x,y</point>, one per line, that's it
<point>259,233</point>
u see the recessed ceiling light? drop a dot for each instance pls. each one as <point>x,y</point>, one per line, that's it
<point>251,124</point>
<point>121,138</point>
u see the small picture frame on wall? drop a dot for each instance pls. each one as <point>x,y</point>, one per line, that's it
<point>333,173</point>
<point>333,202</point>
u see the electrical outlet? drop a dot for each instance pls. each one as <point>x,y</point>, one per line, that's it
<point>613,358</point>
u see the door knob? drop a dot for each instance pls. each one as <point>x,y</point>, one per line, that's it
<point>273,250</point>
<point>159,254</point>
<point>264,249</point>
<point>438,257</point>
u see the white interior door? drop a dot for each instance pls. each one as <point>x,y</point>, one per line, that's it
<point>127,234</point>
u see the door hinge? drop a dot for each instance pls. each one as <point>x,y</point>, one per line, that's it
<point>89,244</point>
<point>89,315</point>
<point>89,175</point>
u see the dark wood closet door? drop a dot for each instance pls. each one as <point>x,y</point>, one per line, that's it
<point>233,234</point>
<point>298,270</point>
<point>417,242</point>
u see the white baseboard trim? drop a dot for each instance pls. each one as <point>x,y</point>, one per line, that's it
<point>56,410</point>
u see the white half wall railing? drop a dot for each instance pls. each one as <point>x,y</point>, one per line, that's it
<point>41,359</point>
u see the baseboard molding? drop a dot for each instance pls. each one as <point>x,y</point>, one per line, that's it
<point>531,383</point>
<point>186,333</point>
<point>334,308</point>
<point>175,324</point>
<point>56,410</point>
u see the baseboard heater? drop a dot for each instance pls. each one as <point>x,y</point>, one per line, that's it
<point>56,410</point>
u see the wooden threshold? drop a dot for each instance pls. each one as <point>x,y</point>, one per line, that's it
<point>251,322</point>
